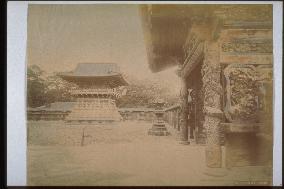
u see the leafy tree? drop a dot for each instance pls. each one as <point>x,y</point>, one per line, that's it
<point>35,86</point>
<point>57,89</point>
<point>143,94</point>
<point>42,90</point>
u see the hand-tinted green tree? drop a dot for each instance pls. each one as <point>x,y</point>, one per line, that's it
<point>57,89</point>
<point>35,86</point>
<point>143,95</point>
<point>42,90</point>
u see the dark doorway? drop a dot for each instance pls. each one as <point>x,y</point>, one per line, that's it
<point>196,117</point>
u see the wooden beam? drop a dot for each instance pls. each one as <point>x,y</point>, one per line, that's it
<point>192,61</point>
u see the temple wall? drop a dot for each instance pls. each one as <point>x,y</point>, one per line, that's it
<point>139,116</point>
<point>52,115</point>
<point>46,116</point>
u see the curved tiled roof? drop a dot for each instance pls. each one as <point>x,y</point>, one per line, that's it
<point>95,69</point>
<point>176,106</point>
<point>91,72</point>
<point>56,106</point>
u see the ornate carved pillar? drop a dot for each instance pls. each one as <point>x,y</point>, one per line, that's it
<point>184,112</point>
<point>212,103</point>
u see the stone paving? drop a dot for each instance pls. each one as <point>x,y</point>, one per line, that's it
<point>125,155</point>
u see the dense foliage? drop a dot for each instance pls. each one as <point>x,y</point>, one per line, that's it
<point>42,89</point>
<point>144,95</point>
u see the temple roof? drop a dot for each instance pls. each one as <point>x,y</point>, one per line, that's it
<point>96,69</point>
<point>95,73</point>
<point>166,27</point>
<point>176,106</point>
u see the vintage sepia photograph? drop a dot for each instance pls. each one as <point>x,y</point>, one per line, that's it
<point>149,94</point>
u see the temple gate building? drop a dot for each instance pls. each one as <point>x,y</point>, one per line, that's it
<point>224,59</point>
<point>98,87</point>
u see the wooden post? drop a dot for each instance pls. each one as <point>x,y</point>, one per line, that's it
<point>192,120</point>
<point>184,113</point>
<point>175,119</point>
<point>83,137</point>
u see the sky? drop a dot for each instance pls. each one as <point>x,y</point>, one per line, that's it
<point>61,36</point>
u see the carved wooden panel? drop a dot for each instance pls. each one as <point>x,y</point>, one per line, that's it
<point>257,13</point>
<point>247,46</point>
<point>244,91</point>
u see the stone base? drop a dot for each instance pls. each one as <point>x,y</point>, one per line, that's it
<point>184,142</point>
<point>240,149</point>
<point>192,141</point>
<point>158,133</point>
<point>158,129</point>
<point>213,156</point>
<point>216,172</point>
<point>93,111</point>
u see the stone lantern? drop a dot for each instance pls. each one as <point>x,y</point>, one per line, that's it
<point>159,126</point>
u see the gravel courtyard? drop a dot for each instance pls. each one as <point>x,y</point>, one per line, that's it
<point>124,154</point>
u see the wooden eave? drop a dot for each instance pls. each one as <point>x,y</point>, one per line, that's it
<point>164,33</point>
<point>113,80</point>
